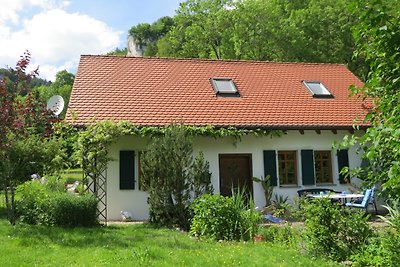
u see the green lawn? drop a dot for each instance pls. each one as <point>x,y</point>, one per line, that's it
<point>72,175</point>
<point>134,245</point>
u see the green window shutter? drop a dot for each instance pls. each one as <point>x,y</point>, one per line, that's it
<point>127,170</point>
<point>343,161</point>
<point>270,166</point>
<point>307,167</point>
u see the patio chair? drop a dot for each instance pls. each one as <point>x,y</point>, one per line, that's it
<point>364,203</point>
<point>371,200</point>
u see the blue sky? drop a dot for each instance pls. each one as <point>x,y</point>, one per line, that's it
<point>57,32</point>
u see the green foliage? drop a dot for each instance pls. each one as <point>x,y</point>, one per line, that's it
<point>136,245</point>
<point>281,206</point>
<point>92,153</point>
<point>276,30</point>
<point>268,189</point>
<point>394,216</point>
<point>285,235</point>
<point>382,250</point>
<point>69,210</point>
<point>333,231</point>
<point>170,177</point>
<point>33,154</point>
<point>31,194</point>
<point>93,144</point>
<point>68,136</point>
<point>224,218</point>
<point>26,142</point>
<point>118,52</point>
<point>378,36</point>
<point>49,204</point>
<point>61,86</point>
<point>11,78</point>
<point>201,176</point>
<point>146,34</point>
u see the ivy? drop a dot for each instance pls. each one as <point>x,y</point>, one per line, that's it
<point>94,141</point>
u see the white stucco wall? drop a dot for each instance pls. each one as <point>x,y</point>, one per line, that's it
<point>135,201</point>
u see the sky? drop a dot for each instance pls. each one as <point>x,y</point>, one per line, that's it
<point>57,32</point>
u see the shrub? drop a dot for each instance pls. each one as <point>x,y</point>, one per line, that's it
<point>332,231</point>
<point>38,204</point>
<point>286,235</point>
<point>172,177</point>
<point>71,210</point>
<point>384,249</point>
<point>381,251</point>
<point>30,195</point>
<point>224,218</point>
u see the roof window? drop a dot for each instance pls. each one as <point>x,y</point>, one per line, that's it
<point>224,87</point>
<point>317,89</point>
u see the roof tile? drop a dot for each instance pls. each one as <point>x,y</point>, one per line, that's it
<point>158,91</point>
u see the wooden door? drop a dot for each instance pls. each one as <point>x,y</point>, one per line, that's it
<point>235,172</point>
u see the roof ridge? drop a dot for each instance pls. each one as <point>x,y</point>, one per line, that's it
<point>219,60</point>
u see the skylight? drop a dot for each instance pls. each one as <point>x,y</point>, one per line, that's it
<point>317,89</point>
<point>224,87</point>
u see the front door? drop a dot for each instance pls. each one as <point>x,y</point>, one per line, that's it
<point>235,172</point>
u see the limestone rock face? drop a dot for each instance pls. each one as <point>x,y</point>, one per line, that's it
<point>134,48</point>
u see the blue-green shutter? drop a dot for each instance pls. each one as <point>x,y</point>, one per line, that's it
<point>127,170</point>
<point>307,167</point>
<point>270,166</point>
<point>343,161</point>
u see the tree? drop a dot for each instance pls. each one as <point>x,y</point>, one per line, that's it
<point>378,40</point>
<point>11,77</point>
<point>26,145</point>
<point>147,35</point>
<point>275,30</point>
<point>171,178</point>
<point>118,52</point>
<point>61,86</point>
<point>201,30</point>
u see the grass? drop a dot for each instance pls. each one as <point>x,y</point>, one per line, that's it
<point>72,175</point>
<point>135,245</point>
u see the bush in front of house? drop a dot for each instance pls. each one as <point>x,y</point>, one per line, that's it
<point>70,210</point>
<point>384,248</point>
<point>173,177</point>
<point>333,231</point>
<point>224,218</point>
<point>41,204</point>
<point>30,195</point>
<point>284,234</point>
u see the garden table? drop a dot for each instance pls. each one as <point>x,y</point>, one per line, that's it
<point>343,197</point>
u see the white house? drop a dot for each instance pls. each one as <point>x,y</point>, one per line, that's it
<point>310,103</point>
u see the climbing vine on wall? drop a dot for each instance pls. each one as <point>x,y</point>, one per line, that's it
<point>94,141</point>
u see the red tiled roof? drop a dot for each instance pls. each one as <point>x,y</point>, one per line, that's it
<point>159,91</point>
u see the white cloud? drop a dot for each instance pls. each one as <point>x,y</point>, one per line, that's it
<point>54,37</point>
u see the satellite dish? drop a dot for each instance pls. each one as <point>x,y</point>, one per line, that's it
<point>55,104</point>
